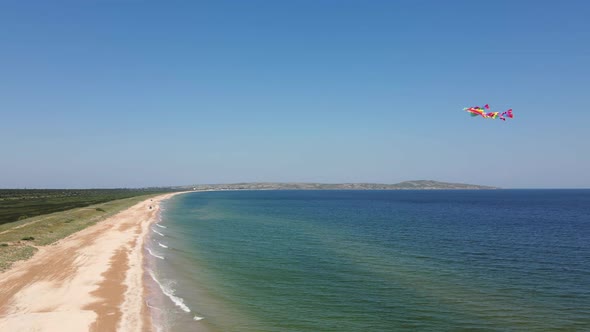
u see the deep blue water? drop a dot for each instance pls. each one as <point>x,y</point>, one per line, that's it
<point>375,260</point>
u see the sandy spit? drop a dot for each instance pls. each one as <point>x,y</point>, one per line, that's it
<point>89,281</point>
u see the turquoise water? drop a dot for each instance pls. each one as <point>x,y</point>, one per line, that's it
<point>373,261</point>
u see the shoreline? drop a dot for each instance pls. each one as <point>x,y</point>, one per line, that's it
<point>92,279</point>
<point>160,298</point>
<point>153,295</point>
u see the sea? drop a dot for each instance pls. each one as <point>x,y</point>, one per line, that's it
<point>430,260</point>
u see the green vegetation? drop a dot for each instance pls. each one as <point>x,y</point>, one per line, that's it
<point>11,254</point>
<point>21,204</point>
<point>18,239</point>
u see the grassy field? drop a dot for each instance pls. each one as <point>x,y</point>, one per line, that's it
<point>18,204</point>
<point>18,240</point>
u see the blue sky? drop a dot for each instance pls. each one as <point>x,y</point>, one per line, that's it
<point>152,93</point>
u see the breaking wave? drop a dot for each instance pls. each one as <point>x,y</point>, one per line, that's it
<point>169,292</point>
<point>152,253</point>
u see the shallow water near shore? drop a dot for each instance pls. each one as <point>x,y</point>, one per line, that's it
<point>371,261</point>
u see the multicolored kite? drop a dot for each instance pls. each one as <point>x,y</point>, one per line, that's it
<point>481,111</point>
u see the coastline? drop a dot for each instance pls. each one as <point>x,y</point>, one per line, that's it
<point>161,299</point>
<point>92,279</point>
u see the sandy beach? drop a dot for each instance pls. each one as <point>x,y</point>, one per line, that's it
<point>89,281</point>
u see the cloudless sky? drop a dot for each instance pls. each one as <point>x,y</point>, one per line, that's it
<point>130,93</point>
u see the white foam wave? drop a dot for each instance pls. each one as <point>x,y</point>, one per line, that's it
<point>161,226</point>
<point>152,253</point>
<point>155,231</point>
<point>151,306</point>
<point>168,291</point>
<point>156,327</point>
<point>197,318</point>
<point>162,245</point>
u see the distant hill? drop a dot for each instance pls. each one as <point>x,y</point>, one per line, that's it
<point>406,185</point>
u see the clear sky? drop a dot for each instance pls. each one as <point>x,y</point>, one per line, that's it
<point>98,93</point>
